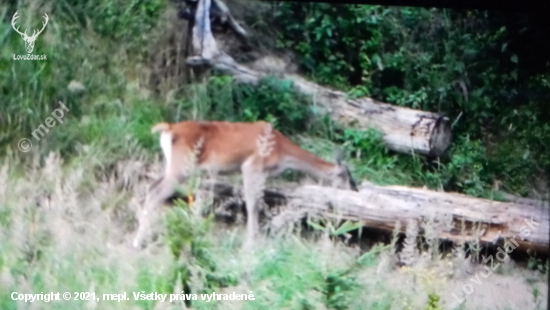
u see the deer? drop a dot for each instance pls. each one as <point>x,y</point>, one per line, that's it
<point>29,40</point>
<point>255,149</point>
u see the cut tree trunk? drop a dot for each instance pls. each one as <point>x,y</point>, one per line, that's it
<point>403,129</point>
<point>381,207</point>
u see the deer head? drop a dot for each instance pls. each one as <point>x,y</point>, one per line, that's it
<point>344,177</point>
<point>29,40</point>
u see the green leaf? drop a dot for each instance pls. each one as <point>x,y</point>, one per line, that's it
<point>347,227</point>
<point>315,225</point>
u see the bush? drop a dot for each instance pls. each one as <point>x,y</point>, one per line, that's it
<point>476,67</point>
<point>272,100</point>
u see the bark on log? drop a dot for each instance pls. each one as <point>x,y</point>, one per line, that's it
<point>404,130</point>
<point>382,206</point>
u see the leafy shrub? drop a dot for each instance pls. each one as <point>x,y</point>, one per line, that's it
<point>476,67</point>
<point>368,145</point>
<point>273,100</point>
<point>467,169</point>
<point>121,21</point>
<point>326,36</point>
<point>186,238</point>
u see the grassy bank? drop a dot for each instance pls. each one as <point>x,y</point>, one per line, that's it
<point>67,206</point>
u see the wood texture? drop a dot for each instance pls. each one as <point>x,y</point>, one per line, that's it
<point>382,206</point>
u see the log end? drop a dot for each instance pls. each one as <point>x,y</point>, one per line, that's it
<point>441,137</point>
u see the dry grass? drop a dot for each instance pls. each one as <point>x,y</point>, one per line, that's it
<point>65,229</point>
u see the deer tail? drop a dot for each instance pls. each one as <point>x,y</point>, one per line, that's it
<point>160,127</point>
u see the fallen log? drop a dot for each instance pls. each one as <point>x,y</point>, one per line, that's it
<point>381,207</point>
<point>404,130</point>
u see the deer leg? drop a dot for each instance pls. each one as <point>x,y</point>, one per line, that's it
<point>161,190</point>
<point>253,178</point>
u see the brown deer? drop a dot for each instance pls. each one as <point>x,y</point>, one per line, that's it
<point>256,149</point>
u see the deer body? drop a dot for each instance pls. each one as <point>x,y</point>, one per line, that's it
<point>254,149</point>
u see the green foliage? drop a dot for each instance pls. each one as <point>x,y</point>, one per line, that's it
<point>186,237</point>
<point>433,302</point>
<point>535,262</point>
<point>275,101</point>
<point>182,231</point>
<point>468,166</point>
<point>100,44</point>
<point>342,229</point>
<point>31,89</point>
<point>469,169</point>
<point>370,258</point>
<point>334,41</point>
<point>222,103</point>
<point>120,21</point>
<point>338,285</point>
<point>475,68</point>
<point>108,134</point>
<point>368,145</point>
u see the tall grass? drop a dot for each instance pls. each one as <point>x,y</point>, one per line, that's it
<point>89,42</point>
<point>67,207</point>
<point>63,231</point>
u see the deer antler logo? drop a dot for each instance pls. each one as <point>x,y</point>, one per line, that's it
<point>29,40</point>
